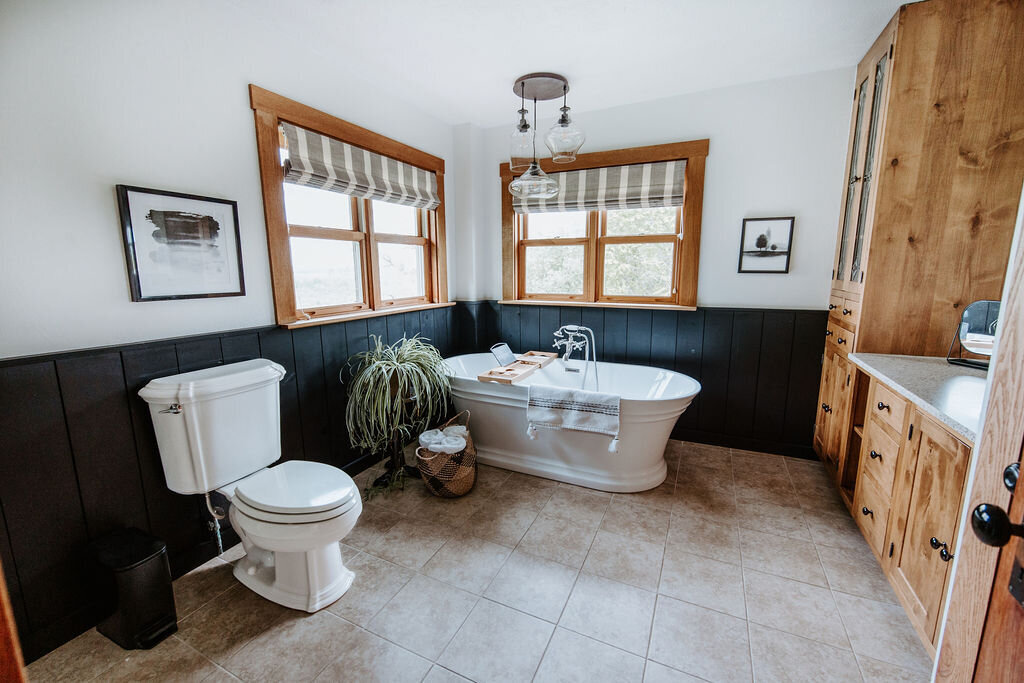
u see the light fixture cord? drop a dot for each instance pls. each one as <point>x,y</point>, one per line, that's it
<point>534,130</point>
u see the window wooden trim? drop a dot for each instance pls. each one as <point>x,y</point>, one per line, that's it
<point>269,110</point>
<point>688,249</point>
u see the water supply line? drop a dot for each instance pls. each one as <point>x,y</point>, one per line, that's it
<point>217,514</point>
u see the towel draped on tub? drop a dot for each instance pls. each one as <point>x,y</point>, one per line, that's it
<point>585,411</point>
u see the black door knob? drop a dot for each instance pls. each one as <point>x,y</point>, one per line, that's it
<point>882,406</point>
<point>1010,475</point>
<point>831,307</point>
<point>847,311</point>
<point>828,333</point>
<point>865,511</point>
<point>992,525</point>
<point>875,454</point>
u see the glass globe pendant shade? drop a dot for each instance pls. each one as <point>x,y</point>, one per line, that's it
<point>534,184</point>
<point>520,149</point>
<point>564,140</point>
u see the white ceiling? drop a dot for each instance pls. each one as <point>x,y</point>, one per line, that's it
<point>459,58</point>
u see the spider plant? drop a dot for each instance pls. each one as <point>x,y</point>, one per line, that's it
<point>397,391</point>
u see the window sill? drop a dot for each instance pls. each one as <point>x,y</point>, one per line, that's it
<point>597,304</point>
<point>357,315</point>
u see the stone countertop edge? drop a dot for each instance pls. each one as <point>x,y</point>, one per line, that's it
<point>918,379</point>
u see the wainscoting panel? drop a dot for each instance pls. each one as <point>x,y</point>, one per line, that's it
<point>78,456</point>
<point>758,367</point>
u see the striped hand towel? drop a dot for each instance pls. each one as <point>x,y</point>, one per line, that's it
<point>584,411</point>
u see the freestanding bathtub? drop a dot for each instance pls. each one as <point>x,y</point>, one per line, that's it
<point>652,401</point>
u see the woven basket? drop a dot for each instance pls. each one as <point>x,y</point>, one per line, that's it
<point>449,475</point>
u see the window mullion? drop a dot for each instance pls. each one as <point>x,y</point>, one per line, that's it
<point>371,267</point>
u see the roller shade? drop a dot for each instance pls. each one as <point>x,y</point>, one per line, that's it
<point>613,187</point>
<point>316,160</point>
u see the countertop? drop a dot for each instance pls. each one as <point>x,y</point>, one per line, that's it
<point>951,394</point>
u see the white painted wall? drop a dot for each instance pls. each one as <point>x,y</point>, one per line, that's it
<point>151,94</point>
<point>154,94</point>
<point>777,149</point>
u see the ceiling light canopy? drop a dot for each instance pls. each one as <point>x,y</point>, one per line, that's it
<point>563,140</point>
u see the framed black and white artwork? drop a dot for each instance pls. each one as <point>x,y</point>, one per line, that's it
<point>179,246</point>
<point>766,244</point>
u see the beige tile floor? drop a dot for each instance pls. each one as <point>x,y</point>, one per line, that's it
<point>742,566</point>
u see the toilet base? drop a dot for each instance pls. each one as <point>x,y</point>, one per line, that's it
<point>307,581</point>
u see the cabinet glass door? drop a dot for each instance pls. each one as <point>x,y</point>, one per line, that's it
<point>851,184</point>
<point>856,271</point>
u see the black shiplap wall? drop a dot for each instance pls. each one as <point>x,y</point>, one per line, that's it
<point>758,368</point>
<point>78,457</point>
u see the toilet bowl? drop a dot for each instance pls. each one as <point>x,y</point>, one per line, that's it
<point>290,519</point>
<point>218,429</point>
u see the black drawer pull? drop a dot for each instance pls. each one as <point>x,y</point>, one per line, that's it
<point>847,311</point>
<point>943,549</point>
<point>884,406</point>
<point>875,455</point>
<point>826,407</point>
<point>865,511</point>
<point>831,307</point>
<point>840,340</point>
<point>829,333</point>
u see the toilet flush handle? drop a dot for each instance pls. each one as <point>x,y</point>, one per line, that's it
<point>173,409</point>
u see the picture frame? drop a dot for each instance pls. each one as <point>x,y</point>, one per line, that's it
<point>767,246</point>
<point>179,246</point>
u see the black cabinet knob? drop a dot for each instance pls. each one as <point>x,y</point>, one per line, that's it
<point>847,311</point>
<point>943,549</point>
<point>831,307</point>
<point>828,333</point>
<point>883,406</point>
<point>945,555</point>
<point>992,525</point>
<point>875,455</point>
<point>1010,475</point>
<point>840,340</point>
<point>865,511</point>
<point>936,543</point>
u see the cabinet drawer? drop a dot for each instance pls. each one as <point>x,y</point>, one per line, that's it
<point>835,307</point>
<point>850,312</point>
<point>887,406</point>
<point>840,338</point>
<point>878,456</point>
<point>871,510</point>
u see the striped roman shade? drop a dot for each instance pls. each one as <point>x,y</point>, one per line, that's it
<point>613,187</point>
<point>316,160</point>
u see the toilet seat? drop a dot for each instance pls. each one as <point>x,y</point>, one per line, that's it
<point>295,492</point>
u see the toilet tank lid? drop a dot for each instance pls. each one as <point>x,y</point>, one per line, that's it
<point>220,380</point>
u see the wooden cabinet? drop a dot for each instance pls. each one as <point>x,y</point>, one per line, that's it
<point>928,205</point>
<point>926,507</point>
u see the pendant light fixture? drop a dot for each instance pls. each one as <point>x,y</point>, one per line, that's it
<point>521,147</point>
<point>564,139</point>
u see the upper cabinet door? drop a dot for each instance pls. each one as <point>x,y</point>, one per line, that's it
<point>870,98</point>
<point>841,267</point>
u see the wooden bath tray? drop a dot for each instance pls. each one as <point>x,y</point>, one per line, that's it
<point>540,357</point>
<point>508,374</point>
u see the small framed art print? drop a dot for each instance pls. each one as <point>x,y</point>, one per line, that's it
<point>766,245</point>
<point>179,246</point>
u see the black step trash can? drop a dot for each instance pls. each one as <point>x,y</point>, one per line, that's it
<point>135,580</point>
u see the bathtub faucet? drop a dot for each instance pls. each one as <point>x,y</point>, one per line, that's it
<point>575,337</point>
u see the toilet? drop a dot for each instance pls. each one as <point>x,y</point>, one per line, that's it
<point>219,429</point>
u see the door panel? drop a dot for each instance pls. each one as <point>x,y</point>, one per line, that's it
<point>935,467</point>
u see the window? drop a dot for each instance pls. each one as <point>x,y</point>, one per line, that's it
<point>355,221</point>
<point>624,229</point>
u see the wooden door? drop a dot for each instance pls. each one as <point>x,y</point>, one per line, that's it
<point>839,418</point>
<point>1000,658</point>
<point>870,98</point>
<point>11,667</point>
<point>929,485</point>
<point>824,398</point>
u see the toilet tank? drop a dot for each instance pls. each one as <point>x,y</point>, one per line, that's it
<point>217,425</point>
